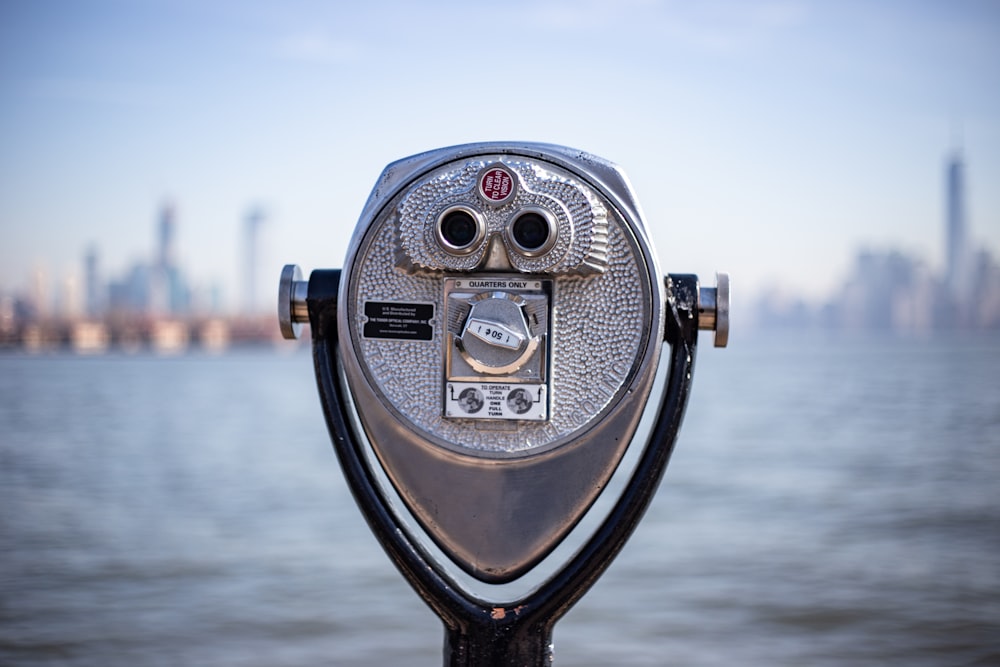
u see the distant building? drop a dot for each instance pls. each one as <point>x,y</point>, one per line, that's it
<point>158,287</point>
<point>168,293</point>
<point>165,251</point>
<point>955,234</point>
<point>958,257</point>
<point>39,296</point>
<point>888,292</point>
<point>984,310</point>
<point>129,295</point>
<point>93,291</point>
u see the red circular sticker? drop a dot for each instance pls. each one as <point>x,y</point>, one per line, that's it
<point>496,184</point>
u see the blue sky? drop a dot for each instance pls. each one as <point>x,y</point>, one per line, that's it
<point>769,139</point>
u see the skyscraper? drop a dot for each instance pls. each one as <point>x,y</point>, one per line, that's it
<point>93,297</point>
<point>168,294</point>
<point>956,241</point>
<point>165,248</point>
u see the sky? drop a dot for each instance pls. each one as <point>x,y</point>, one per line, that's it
<point>771,140</point>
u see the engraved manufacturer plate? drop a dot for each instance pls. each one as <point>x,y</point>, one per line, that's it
<point>398,321</point>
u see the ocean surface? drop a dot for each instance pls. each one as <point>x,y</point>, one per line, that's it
<point>830,502</point>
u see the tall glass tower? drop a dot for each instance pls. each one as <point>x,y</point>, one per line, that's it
<point>957,259</point>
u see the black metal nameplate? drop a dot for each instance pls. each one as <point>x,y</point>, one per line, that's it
<point>399,321</point>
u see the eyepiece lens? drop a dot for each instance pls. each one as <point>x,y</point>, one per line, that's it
<point>530,231</point>
<point>459,229</point>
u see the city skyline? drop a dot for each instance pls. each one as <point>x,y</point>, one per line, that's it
<point>769,139</point>
<point>885,289</point>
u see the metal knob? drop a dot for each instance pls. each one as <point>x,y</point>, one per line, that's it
<point>292,308</point>
<point>713,309</point>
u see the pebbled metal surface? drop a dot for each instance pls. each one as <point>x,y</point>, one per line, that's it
<point>600,319</point>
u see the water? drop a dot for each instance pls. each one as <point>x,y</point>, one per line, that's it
<point>829,503</point>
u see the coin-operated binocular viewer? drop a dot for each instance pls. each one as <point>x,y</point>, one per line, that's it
<point>498,339</point>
